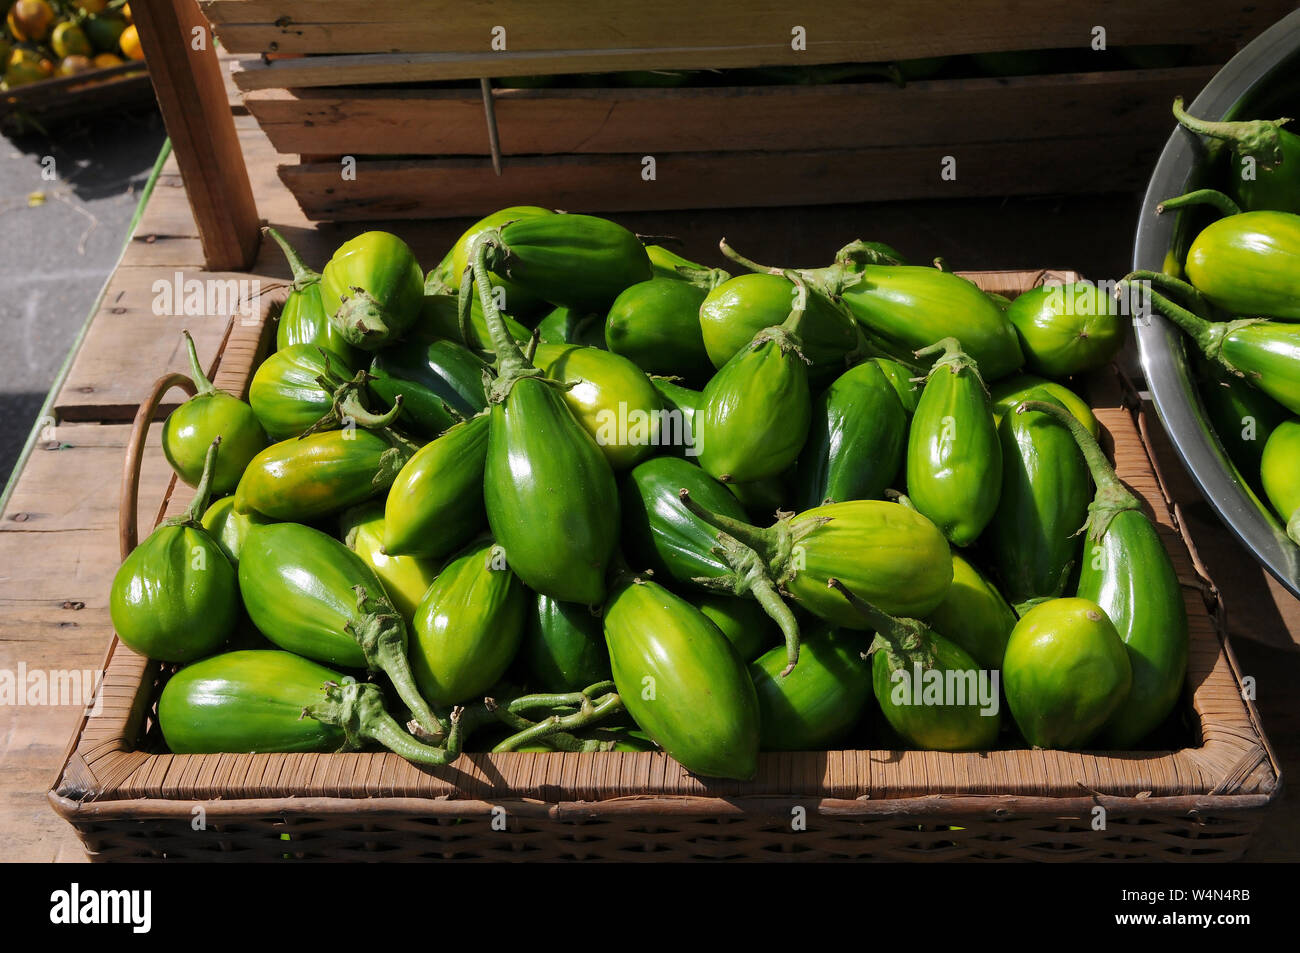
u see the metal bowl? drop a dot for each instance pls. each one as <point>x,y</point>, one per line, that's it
<point>1262,81</point>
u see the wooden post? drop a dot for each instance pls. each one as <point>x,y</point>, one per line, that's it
<point>187,81</point>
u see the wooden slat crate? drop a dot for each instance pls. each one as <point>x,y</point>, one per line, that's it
<point>94,92</point>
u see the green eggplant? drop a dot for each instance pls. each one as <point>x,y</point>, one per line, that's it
<point>469,626</point>
<point>406,578</point>
<point>610,396</point>
<point>668,264</point>
<point>974,615</point>
<point>902,380</point>
<point>440,319</point>
<point>930,690</point>
<point>742,621</point>
<point>580,261</point>
<point>435,504</point>
<point>1033,540</point>
<point>548,489</point>
<point>564,646</point>
<point>372,288</point>
<point>304,387</point>
<point>816,705</point>
<point>1280,475</point>
<point>174,598</point>
<point>303,319</point>
<point>682,681</point>
<point>517,297</point>
<point>1243,416</point>
<point>271,701</point>
<point>656,325</point>
<point>566,326</point>
<point>441,381</point>
<point>189,430</point>
<point>311,595</point>
<point>685,402</point>
<point>1066,673</point>
<point>1128,573</point>
<point>757,409</point>
<point>1267,173</point>
<point>954,459</point>
<point>228,528</point>
<point>1010,391</point>
<point>1249,264</point>
<point>856,440</point>
<point>1067,329</point>
<point>325,472</point>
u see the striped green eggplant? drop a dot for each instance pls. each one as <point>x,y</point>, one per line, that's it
<point>435,504</point>
<point>373,288</point>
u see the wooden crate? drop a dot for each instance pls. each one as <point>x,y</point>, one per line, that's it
<point>94,92</point>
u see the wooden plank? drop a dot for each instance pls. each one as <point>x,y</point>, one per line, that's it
<point>191,92</point>
<point>401,121</point>
<point>837,30</point>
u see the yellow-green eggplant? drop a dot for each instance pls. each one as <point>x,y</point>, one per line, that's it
<point>1266,175</point>
<point>303,319</point>
<point>373,289</point>
<point>1066,673</point>
<point>189,430</point>
<point>974,615</point>
<point>228,528</point>
<point>435,504</point>
<point>272,701</point>
<point>517,298</point>
<point>817,704</point>
<point>1032,540</point>
<point>406,578</point>
<point>954,459</point>
<point>856,440</point>
<point>1127,571</point>
<point>469,626</point>
<point>1067,329</point>
<point>1007,393</point>
<point>1280,474</point>
<point>308,477</point>
<point>174,598</point>
<point>743,621</point>
<point>440,381</point>
<point>1249,264</point>
<point>564,646</point>
<point>311,595</point>
<point>656,325</point>
<point>610,396</point>
<point>304,387</point>
<point>682,681</point>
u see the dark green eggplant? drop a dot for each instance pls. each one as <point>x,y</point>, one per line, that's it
<point>304,388</point>
<point>954,459</point>
<point>1033,540</point>
<point>1280,475</point>
<point>189,430</point>
<point>564,646</point>
<point>1067,329</point>
<point>440,318</point>
<point>435,504</point>
<point>323,473</point>
<point>1243,416</point>
<point>439,380</point>
<point>742,621</point>
<point>656,325</point>
<point>856,440</point>
<point>1066,673</point>
<point>1010,391</point>
<point>311,595</point>
<point>518,299</point>
<point>373,289</point>
<point>1127,571</point>
<point>270,701</point>
<point>406,578</point>
<point>974,615</point>
<point>1249,264</point>
<point>668,264</point>
<point>818,704</point>
<point>566,326</point>
<point>469,626</point>
<point>303,319</point>
<point>1267,172</point>
<point>904,382</point>
<point>174,598</point>
<point>682,681</point>
<point>228,528</point>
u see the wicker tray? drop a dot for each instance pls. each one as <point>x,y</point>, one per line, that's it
<point>1201,802</point>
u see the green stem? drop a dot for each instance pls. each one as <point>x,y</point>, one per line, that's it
<point>798,310</point>
<point>908,638</point>
<point>952,357</point>
<point>358,708</point>
<point>381,633</point>
<point>590,714</point>
<point>509,356</point>
<point>1171,285</point>
<point>752,536</point>
<point>193,515</point>
<point>1260,138</point>
<point>1210,197</point>
<point>744,262</point>
<point>303,277</point>
<point>1201,331</point>
<point>858,252</point>
<point>346,405</point>
<point>201,383</point>
<point>761,588</point>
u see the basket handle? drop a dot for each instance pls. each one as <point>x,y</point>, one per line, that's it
<point>127,533</point>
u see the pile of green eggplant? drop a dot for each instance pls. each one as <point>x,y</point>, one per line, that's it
<point>574,492</point>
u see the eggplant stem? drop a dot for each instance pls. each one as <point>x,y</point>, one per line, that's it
<point>303,276</point>
<point>201,383</point>
<point>1211,197</point>
<point>744,262</point>
<point>752,536</point>
<point>381,634</point>
<point>905,636</point>
<point>589,714</point>
<point>358,708</point>
<point>1196,327</point>
<point>1172,285</point>
<point>193,515</point>
<point>1260,138</point>
<point>761,588</point>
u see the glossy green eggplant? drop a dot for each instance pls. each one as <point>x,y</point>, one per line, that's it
<point>668,264</point>
<point>904,382</point>
<point>1032,541</point>
<point>435,504</point>
<point>564,646</point>
<point>656,325</point>
<point>189,430</point>
<point>682,681</point>
<point>954,459</point>
<point>1249,264</point>
<point>1266,175</point>
<point>406,578</point>
<point>270,701</point>
<point>742,621</point>
<point>311,595</point>
<point>228,528</point>
<point>974,615</point>
<point>610,396</point>
<point>440,318</point>
<point>303,319</point>
<point>817,704</point>
<point>305,387</point>
<point>372,288</point>
<point>174,598</point>
<point>1280,475</point>
<point>325,472</point>
<point>856,440</point>
<point>439,381</point>
<point>1066,673</point>
<point>469,626</point>
<point>1067,329</point>
<point>1243,416</point>
<point>1127,571</point>
<point>517,298</point>
<point>566,326</point>
<point>1010,391</point>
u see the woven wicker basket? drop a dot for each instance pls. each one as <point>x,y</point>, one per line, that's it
<point>129,801</point>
